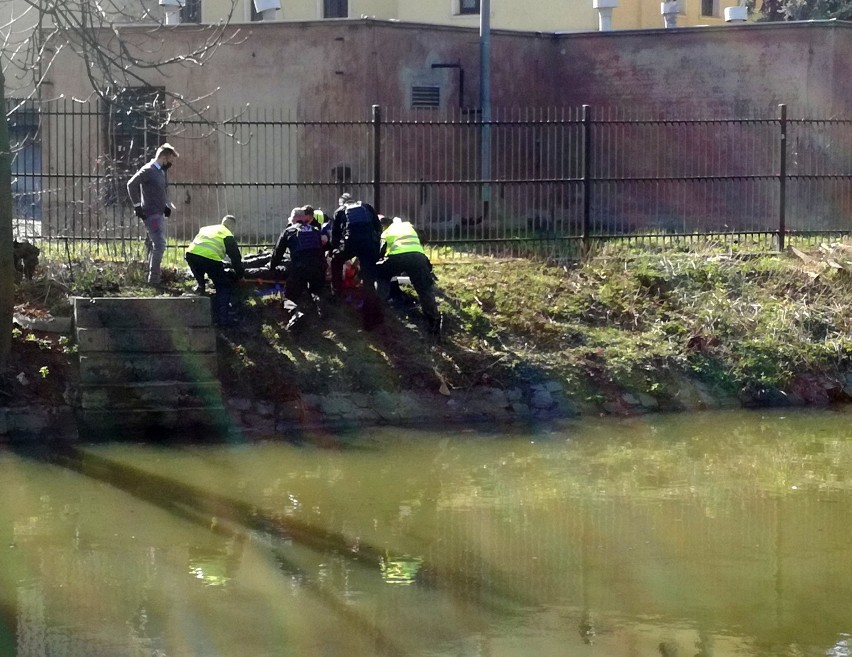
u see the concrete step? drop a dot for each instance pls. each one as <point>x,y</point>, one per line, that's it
<point>148,369</point>
<point>129,368</point>
<point>147,341</point>
<point>142,312</point>
<point>170,395</point>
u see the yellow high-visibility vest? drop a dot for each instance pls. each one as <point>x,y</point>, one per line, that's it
<point>210,242</point>
<point>401,237</point>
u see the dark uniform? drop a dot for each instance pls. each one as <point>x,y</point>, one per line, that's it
<point>307,260</point>
<point>355,234</point>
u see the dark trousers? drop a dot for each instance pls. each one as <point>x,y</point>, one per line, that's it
<point>201,267</point>
<point>304,278</point>
<point>416,265</point>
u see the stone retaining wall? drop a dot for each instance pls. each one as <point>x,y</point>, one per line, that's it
<point>535,402</point>
<point>538,402</point>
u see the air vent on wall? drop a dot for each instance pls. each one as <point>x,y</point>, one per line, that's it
<point>425,96</point>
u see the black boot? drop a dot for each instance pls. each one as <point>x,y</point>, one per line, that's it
<point>435,326</point>
<point>221,309</point>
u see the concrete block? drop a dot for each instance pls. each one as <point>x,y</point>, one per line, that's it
<point>38,424</point>
<point>147,396</point>
<point>202,340</point>
<point>46,325</point>
<point>142,312</point>
<point>107,368</point>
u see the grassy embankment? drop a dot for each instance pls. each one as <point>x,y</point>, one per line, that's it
<point>625,320</point>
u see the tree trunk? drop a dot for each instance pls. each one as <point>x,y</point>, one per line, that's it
<point>7,268</point>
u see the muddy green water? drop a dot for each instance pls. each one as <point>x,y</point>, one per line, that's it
<point>715,534</point>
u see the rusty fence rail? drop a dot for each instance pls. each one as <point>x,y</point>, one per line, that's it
<point>559,179</point>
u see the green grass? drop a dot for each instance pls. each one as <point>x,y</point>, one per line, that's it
<point>628,319</point>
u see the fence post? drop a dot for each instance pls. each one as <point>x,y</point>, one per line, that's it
<point>587,178</point>
<point>782,179</point>
<point>377,160</point>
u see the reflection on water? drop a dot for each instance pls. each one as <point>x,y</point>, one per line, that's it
<point>707,535</point>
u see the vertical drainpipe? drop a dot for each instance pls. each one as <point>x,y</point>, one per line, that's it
<point>171,11</point>
<point>485,99</point>
<point>668,8</point>
<point>604,8</point>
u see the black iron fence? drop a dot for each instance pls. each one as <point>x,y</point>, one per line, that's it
<point>556,178</point>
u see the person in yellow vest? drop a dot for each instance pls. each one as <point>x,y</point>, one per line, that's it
<point>404,254</point>
<point>206,257</point>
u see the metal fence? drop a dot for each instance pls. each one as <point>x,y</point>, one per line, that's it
<point>554,178</point>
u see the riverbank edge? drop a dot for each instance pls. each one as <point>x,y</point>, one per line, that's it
<point>521,405</point>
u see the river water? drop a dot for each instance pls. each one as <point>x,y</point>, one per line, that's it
<point>699,535</point>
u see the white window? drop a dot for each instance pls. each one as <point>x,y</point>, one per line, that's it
<point>469,7</point>
<point>709,7</point>
<point>335,8</point>
<point>133,123</point>
<point>190,12</point>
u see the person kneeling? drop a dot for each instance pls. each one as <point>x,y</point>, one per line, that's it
<point>205,257</point>
<point>404,254</point>
<point>306,276</point>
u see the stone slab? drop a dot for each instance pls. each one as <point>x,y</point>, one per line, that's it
<point>202,340</point>
<point>46,324</point>
<point>38,423</point>
<point>148,396</point>
<point>107,368</point>
<point>142,312</point>
<point>154,424</point>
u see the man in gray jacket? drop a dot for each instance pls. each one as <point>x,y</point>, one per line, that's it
<point>147,190</point>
